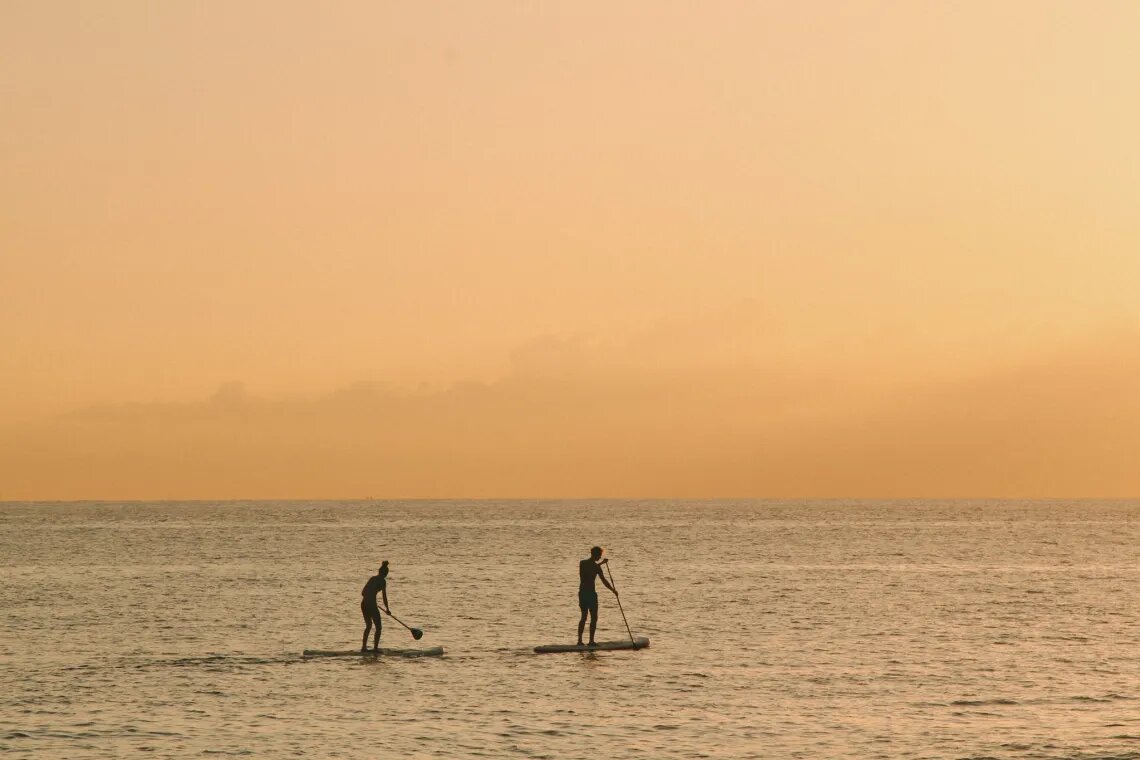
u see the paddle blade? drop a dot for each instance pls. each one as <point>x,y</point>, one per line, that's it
<point>417,634</point>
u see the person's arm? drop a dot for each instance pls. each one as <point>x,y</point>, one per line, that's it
<point>384,592</point>
<point>602,575</point>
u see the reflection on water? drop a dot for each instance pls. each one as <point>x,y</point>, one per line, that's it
<point>830,630</point>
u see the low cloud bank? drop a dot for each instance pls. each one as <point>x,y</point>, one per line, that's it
<point>575,418</point>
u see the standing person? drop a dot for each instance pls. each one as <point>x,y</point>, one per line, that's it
<point>377,584</point>
<point>589,569</point>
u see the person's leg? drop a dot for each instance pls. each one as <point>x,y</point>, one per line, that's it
<point>593,620</point>
<point>378,622</point>
<point>581,624</point>
<point>367,628</point>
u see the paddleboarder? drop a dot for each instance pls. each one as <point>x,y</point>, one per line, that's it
<point>377,584</point>
<point>589,569</point>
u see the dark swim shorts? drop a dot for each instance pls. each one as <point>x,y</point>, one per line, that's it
<point>588,600</point>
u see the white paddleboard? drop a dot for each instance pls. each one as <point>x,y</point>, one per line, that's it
<point>384,652</point>
<point>639,642</point>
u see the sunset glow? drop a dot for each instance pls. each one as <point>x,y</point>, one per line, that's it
<point>282,250</point>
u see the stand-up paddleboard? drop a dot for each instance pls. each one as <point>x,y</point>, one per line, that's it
<point>384,652</point>
<point>640,642</point>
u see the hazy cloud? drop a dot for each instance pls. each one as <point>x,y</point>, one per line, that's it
<point>577,417</point>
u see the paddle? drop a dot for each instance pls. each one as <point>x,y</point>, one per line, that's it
<point>417,634</point>
<point>618,597</point>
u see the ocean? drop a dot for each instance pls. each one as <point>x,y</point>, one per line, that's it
<point>779,629</point>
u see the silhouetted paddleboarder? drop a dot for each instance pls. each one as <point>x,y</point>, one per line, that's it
<point>377,584</point>
<point>589,569</point>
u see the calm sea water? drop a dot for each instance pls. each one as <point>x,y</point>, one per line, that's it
<point>779,630</point>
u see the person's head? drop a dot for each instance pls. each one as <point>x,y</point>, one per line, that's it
<point>596,553</point>
<point>384,569</point>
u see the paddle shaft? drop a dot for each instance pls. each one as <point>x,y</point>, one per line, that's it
<point>401,622</point>
<point>618,597</point>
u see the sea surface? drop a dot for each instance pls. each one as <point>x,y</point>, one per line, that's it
<point>837,629</point>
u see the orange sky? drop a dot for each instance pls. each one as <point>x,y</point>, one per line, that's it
<point>272,249</point>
